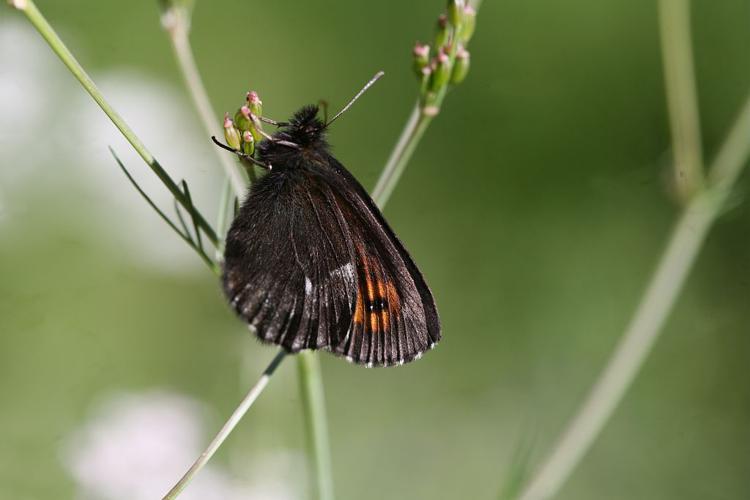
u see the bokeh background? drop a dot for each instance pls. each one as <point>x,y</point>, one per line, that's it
<point>536,206</point>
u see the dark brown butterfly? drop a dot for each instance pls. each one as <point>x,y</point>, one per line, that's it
<point>311,263</point>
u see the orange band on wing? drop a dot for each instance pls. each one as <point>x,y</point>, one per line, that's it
<point>378,302</point>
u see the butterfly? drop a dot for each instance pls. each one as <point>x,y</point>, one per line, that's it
<point>311,263</point>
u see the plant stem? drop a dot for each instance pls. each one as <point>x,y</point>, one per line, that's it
<point>664,287</point>
<point>420,118</point>
<point>313,403</point>
<point>42,26</point>
<point>176,22</point>
<point>405,146</point>
<point>230,424</point>
<point>679,78</point>
<point>731,158</point>
<point>226,205</point>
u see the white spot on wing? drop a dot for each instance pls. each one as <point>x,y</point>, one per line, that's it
<point>346,271</point>
<point>308,286</point>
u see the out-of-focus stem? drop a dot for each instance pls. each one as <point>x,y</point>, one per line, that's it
<point>176,23</point>
<point>635,345</point>
<point>313,404</point>
<point>401,154</point>
<point>230,424</point>
<point>682,101</point>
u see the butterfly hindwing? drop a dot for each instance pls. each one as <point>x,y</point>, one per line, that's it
<point>394,319</point>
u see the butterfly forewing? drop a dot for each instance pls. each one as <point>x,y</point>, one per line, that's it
<point>283,267</point>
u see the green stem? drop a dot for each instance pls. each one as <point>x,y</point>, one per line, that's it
<point>313,403</point>
<point>176,22</point>
<point>42,26</point>
<point>682,101</point>
<point>230,424</point>
<point>687,238</point>
<point>400,156</point>
<point>416,125</point>
<point>223,219</point>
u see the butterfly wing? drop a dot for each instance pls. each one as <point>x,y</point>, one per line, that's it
<point>284,264</point>
<point>394,319</point>
<point>311,263</point>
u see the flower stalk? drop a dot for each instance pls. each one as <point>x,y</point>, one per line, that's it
<point>436,74</point>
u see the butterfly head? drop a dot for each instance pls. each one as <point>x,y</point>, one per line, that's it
<point>304,128</point>
<point>303,136</point>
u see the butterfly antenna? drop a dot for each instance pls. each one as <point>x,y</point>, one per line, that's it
<point>364,89</point>
<point>272,122</point>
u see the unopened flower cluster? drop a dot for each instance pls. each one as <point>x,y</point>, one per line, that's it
<point>244,131</point>
<point>447,61</point>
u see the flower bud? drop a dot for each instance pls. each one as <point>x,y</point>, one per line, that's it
<point>442,33</point>
<point>421,57</point>
<point>469,23</point>
<point>255,126</point>
<point>461,67</point>
<point>254,102</point>
<point>231,134</point>
<point>455,12</point>
<point>255,129</point>
<point>242,119</point>
<point>424,78</point>
<point>18,4</point>
<point>248,143</point>
<point>441,71</point>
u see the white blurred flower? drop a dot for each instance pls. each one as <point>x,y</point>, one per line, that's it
<point>26,90</point>
<point>136,446</point>
<point>51,131</point>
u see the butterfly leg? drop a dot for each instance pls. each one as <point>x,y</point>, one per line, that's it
<point>242,155</point>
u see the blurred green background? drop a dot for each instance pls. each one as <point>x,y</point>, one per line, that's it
<point>536,207</point>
